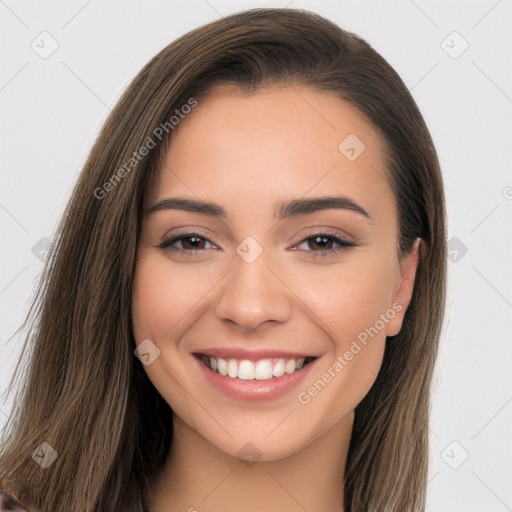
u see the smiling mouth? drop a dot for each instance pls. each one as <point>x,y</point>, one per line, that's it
<point>261,369</point>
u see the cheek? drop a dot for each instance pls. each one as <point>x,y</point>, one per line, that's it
<point>162,295</point>
<point>354,305</point>
<point>352,296</point>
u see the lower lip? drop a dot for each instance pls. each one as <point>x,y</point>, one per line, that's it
<point>255,390</point>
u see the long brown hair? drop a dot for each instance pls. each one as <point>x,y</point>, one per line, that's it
<point>87,395</point>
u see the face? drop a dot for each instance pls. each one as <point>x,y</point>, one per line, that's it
<point>267,310</point>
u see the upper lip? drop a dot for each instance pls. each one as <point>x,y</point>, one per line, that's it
<point>244,353</point>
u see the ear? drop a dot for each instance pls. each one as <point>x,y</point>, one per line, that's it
<point>404,287</point>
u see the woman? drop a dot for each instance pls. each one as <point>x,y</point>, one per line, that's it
<point>243,303</point>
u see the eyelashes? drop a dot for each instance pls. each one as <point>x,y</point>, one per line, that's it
<point>196,244</point>
<point>320,238</point>
<point>168,243</point>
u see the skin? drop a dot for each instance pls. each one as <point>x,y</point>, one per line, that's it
<point>248,153</point>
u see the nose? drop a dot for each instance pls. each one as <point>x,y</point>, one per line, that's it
<point>253,294</point>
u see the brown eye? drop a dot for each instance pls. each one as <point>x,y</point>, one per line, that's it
<point>190,242</point>
<point>323,244</point>
<point>193,243</point>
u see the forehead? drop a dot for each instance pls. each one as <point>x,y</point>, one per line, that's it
<point>279,141</point>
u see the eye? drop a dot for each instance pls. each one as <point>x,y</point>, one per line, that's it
<point>325,242</point>
<point>190,243</point>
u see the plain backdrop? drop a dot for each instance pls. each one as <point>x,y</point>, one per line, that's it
<point>64,65</point>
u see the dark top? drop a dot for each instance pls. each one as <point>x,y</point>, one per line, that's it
<point>9,503</point>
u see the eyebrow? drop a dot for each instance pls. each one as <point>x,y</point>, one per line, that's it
<point>286,209</point>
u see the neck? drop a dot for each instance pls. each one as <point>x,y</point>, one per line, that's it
<point>198,476</point>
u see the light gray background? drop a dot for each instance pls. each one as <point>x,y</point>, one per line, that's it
<point>52,108</point>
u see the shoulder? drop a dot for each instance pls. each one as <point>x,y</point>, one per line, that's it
<point>8,503</point>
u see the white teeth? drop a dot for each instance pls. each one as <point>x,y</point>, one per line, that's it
<point>232,368</point>
<point>289,367</point>
<point>222,366</point>
<point>278,370</point>
<point>263,369</point>
<point>246,370</point>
